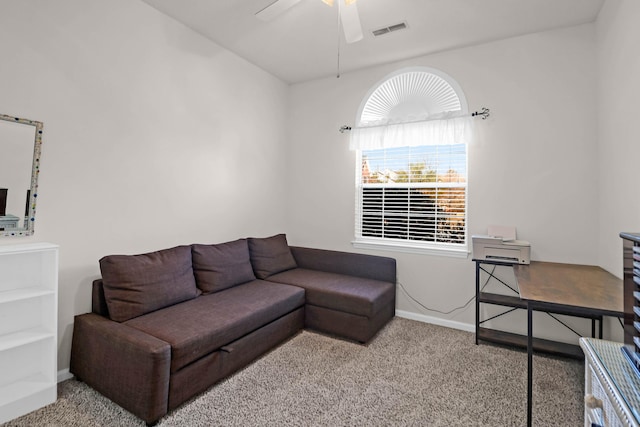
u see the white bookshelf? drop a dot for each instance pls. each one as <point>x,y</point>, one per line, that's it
<point>28,328</point>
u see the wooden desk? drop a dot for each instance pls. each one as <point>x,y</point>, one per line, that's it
<point>565,289</point>
<point>512,301</point>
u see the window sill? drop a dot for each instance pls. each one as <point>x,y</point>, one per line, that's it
<point>453,252</point>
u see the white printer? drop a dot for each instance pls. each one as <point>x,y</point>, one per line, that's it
<point>501,245</point>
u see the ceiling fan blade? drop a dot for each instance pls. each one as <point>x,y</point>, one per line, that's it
<point>350,21</point>
<point>274,9</point>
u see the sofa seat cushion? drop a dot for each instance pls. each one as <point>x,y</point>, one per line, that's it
<point>197,327</point>
<point>340,292</point>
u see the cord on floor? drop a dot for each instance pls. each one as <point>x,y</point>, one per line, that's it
<point>433,309</point>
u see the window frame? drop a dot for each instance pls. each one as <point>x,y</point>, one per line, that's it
<point>457,250</point>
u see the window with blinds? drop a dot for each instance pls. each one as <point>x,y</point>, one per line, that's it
<point>413,195</point>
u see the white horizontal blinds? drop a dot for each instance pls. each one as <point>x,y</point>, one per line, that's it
<point>412,180</point>
<point>414,214</point>
<point>414,193</point>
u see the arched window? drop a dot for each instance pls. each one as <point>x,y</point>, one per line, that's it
<point>411,178</point>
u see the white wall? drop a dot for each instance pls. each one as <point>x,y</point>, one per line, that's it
<point>153,135</point>
<point>533,166</point>
<point>618,142</point>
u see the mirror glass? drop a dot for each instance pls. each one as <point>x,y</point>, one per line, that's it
<point>20,143</point>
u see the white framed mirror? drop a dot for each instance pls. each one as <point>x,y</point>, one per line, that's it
<point>20,147</point>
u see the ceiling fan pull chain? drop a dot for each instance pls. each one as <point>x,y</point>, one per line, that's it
<point>338,32</point>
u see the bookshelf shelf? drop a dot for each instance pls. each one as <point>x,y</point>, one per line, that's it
<point>28,328</point>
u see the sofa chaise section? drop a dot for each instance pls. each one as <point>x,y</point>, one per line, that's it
<point>347,294</point>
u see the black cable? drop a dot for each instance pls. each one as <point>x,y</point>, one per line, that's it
<point>433,309</point>
<point>454,309</point>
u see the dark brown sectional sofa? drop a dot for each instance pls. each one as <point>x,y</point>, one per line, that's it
<point>167,325</point>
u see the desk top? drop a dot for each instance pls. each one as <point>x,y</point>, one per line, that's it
<point>575,285</point>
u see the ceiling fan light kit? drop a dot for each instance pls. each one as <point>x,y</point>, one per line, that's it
<point>347,2</point>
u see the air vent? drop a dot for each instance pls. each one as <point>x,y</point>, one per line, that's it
<point>389,29</point>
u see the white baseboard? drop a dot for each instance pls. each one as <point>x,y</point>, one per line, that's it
<point>64,375</point>
<point>436,321</point>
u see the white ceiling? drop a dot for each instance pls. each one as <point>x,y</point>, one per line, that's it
<point>301,44</point>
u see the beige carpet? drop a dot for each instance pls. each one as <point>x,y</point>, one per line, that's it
<point>411,373</point>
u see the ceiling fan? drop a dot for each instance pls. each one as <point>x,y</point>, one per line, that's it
<point>347,11</point>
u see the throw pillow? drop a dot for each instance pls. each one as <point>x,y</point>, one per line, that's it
<point>221,266</point>
<point>138,284</point>
<point>270,255</point>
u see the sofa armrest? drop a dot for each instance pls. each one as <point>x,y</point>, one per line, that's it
<point>352,264</point>
<point>126,365</point>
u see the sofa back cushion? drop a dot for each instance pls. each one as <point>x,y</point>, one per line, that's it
<point>270,255</point>
<point>138,284</point>
<point>221,266</point>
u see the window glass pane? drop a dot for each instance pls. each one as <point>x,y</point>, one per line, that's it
<point>428,163</point>
<point>414,193</point>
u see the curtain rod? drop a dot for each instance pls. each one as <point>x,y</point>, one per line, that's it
<point>483,113</point>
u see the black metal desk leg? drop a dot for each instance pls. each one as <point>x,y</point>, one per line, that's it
<point>600,324</point>
<point>477,300</point>
<point>529,362</point>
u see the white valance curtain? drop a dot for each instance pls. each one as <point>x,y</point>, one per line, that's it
<point>441,129</point>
